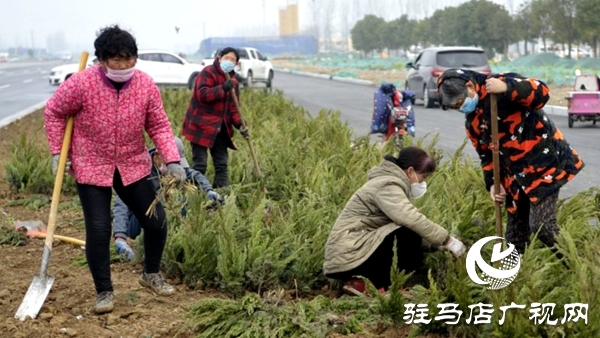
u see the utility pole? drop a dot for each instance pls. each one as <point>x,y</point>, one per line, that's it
<point>264,17</point>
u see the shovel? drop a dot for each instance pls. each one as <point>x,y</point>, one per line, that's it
<point>496,162</point>
<point>36,229</point>
<point>237,106</point>
<point>42,283</point>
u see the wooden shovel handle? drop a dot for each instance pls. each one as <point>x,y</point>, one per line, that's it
<point>60,172</point>
<point>237,106</point>
<point>496,161</point>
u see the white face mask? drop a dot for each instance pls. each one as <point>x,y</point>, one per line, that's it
<point>417,190</point>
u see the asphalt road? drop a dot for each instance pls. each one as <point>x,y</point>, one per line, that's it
<point>23,85</point>
<point>355,103</point>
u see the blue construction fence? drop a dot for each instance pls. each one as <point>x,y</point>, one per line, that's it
<point>277,46</point>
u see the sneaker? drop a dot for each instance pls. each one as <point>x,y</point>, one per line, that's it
<point>104,302</point>
<point>157,283</point>
<point>356,287</point>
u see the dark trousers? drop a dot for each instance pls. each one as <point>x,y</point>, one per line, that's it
<point>377,268</point>
<point>95,202</point>
<point>220,156</point>
<point>530,219</point>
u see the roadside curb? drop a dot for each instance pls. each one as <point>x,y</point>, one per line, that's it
<point>8,120</point>
<point>550,110</point>
<point>556,110</point>
<point>326,77</point>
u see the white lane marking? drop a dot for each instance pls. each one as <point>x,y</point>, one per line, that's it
<point>28,80</point>
<point>45,77</point>
<point>43,72</point>
<point>4,86</point>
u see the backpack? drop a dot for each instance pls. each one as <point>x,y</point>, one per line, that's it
<point>382,101</point>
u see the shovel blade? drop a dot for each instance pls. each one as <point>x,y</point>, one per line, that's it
<point>35,297</point>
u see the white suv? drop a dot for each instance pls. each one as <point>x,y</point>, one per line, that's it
<point>253,67</point>
<point>60,74</point>
<point>164,67</point>
<point>168,68</point>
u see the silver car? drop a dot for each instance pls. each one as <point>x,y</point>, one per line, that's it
<point>423,73</point>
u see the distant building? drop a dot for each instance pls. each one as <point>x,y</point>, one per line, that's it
<point>335,44</point>
<point>299,45</point>
<point>21,52</point>
<point>288,19</point>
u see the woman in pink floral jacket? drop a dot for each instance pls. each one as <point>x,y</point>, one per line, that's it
<point>113,104</point>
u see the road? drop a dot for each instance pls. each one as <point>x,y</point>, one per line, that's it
<point>355,103</point>
<point>23,85</point>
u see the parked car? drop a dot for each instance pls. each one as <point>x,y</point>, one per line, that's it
<point>209,59</point>
<point>254,67</point>
<point>60,74</point>
<point>165,68</point>
<point>423,73</point>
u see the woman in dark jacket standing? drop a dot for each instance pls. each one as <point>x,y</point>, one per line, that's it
<point>212,114</point>
<point>535,159</point>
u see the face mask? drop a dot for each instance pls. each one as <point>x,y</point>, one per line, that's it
<point>417,190</point>
<point>227,66</point>
<point>469,105</point>
<point>122,75</point>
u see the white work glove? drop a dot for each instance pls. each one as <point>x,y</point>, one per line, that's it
<point>455,246</point>
<point>124,249</point>
<point>214,196</point>
<point>176,170</point>
<point>55,159</point>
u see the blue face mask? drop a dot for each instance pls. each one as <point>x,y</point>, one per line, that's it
<point>469,105</point>
<point>227,66</point>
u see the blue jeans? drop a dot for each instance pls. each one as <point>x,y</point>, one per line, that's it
<point>127,225</point>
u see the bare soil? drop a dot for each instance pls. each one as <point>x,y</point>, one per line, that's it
<point>557,93</point>
<point>67,309</point>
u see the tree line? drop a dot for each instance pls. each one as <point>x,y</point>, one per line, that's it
<point>486,24</point>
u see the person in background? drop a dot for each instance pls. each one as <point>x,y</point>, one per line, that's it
<point>212,114</point>
<point>113,104</point>
<point>361,241</point>
<point>125,223</point>
<point>535,158</point>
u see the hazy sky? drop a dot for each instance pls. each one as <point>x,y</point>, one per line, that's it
<point>151,21</point>
<point>27,22</point>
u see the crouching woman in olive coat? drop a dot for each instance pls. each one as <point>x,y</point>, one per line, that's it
<point>361,241</point>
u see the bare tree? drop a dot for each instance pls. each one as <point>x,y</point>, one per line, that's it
<point>315,15</point>
<point>327,24</point>
<point>348,17</point>
<point>403,7</point>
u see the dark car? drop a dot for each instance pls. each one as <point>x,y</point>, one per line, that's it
<point>423,73</point>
